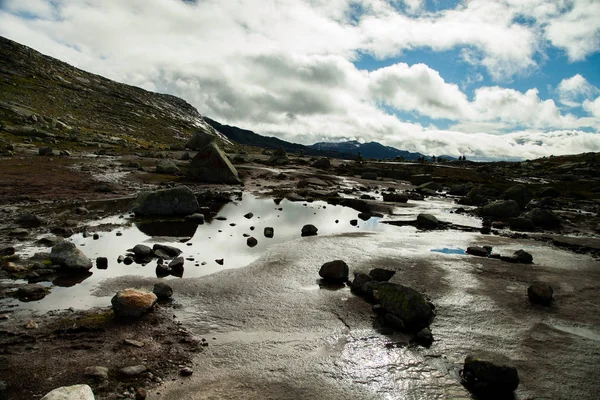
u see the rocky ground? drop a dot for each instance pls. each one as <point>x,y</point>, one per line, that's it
<point>311,345</point>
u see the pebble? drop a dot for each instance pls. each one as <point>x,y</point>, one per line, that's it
<point>135,343</point>
<point>186,371</point>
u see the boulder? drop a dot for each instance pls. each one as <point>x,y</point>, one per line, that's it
<point>101,262</point>
<point>549,192</point>
<point>427,221</point>
<point>45,151</point>
<point>166,167</point>
<point>359,280</point>
<point>176,266</point>
<point>381,274</point>
<point>540,293</point>
<point>279,157</point>
<point>424,337</point>
<point>142,251</point>
<point>435,186</point>
<point>322,163</point>
<point>169,251</point>
<point>521,224</point>
<point>479,251</point>
<point>309,230</point>
<point>166,202</point>
<point>68,256</point>
<point>395,197</point>
<point>501,209</point>
<point>212,165</point>
<point>32,292</point>
<point>523,257</point>
<point>405,303</point>
<point>519,193</point>
<point>200,140</point>
<point>490,373</point>
<point>544,218</point>
<point>29,221</point>
<point>75,392</point>
<point>133,303</point>
<point>420,179</point>
<point>162,291</point>
<point>334,271</point>
<point>473,198</point>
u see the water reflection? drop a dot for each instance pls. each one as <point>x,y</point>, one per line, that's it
<point>447,250</point>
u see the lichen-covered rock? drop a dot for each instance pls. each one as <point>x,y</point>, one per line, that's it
<point>75,392</point>
<point>69,257</point>
<point>166,202</point>
<point>490,373</point>
<point>212,165</point>
<point>405,303</point>
<point>334,271</point>
<point>133,303</point>
<point>501,209</point>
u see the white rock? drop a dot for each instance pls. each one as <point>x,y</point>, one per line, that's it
<point>75,392</point>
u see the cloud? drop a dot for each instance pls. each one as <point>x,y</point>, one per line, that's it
<point>593,107</point>
<point>574,90</point>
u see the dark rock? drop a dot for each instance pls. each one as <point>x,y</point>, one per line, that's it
<point>29,221</point>
<point>460,190</point>
<point>501,209</point>
<point>220,261</point>
<point>381,274</point>
<point>433,186</point>
<point>142,251</point>
<point>334,271</point>
<point>424,337</point>
<point>479,251</point>
<point>519,193</point>
<point>549,192</point>
<point>32,292</point>
<point>176,265</point>
<point>427,221</point>
<point>45,151</point>
<point>359,280</point>
<point>166,202</point>
<point>212,165</point>
<point>162,270</point>
<point>279,157</point>
<point>269,232</point>
<point>132,371</point>
<point>369,175</point>
<point>395,197</point>
<point>200,140</point>
<point>521,224</point>
<point>392,320</point>
<point>186,371</point>
<point>322,163</point>
<point>166,167</point>
<point>490,373</point>
<point>195,218</point>
<point>544,218</point>
<point>170,251</point>
<point>353,222</point>
<point>540,293</point>
<point>473,198</point>
<point>420,179</point>
<point>162,291</point>
<point>133,303</point>
<point>68,256</point>
<point>249,215</point>
<point>405,303</point>
<point>140,393</point>
<point>102,263</point>
<point>7,251</point>
<point>251,241</point>
<point>82,211</point>
<point>128,260</point>
<point>309,230</point>
<point>523,257</point>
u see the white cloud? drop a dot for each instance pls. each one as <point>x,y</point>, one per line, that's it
<point>574,90</point>
<point>593,107</point>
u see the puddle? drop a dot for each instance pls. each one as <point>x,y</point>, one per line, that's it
<point>202,245</point>
<point>448,250</point>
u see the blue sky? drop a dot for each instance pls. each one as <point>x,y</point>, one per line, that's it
<point>505,78</point>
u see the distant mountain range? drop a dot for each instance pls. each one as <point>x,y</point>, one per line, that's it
<point>344,150</point>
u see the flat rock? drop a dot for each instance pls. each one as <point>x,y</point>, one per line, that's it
<point>97,372</point>
<point>133,370</point>
<point>489,372</point>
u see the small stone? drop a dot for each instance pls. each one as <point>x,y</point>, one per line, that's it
<point>186,371</point>
<point>269,232</point>
<point>102,263</point>
<point>249,215</point>
<point>219,261</point>
<point>96,236</point>
<point>133,303</point>
<point>251,241</point>
<point>424,337</point>
<point>334,271</point>
<point>120,259</point>
<point>523,257</point>
<point>133,370</point>
<point>162,291</point>
<point>353,222</point>
<point>135,343</point>
<point>128,260</point>
<point>97,372</point>
<point>381,274</point>
<point>140,394</point>
<point>490,373</point>
<point>31,325</point>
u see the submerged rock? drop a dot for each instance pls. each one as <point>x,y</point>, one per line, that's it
<point>75,392</point>
<point>166,202</point>
<point>540,293</point>
<point>32,292</point>
<point>490,373</point>
<point>69,257</point>
<point>133,303</point>
<point>405,303</point>
<point>334,271</point>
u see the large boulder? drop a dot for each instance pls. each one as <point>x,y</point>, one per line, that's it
<point>334,271</point>
<point>427,221</point>
<point>540,293</point>
<point>75,392</point>
<point>405,303</point>
<point>490,373</point>
<point>212,165</point>
<point>279,157</point>
<point>166,202</point>
<point>200,140</point>
<point>322,163</point>
<point>474,197</point>
<point>133,303</point>
<point>544,218</point>
<point>68,256</point>
<point>518,193</point>
<point>501,209</point>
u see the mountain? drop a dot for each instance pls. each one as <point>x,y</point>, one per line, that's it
<point>41,96</point>
<point>367,150</point>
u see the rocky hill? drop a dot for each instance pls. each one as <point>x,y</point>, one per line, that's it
<point>367,150</point>
<point>43,97</point>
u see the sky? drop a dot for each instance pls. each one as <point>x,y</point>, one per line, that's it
<point>493,78</point>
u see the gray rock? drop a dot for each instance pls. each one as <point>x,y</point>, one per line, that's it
<point>32,292</point>
<point>334,271</point>
<point>133,370</point>
<point>309,230</point>
<point>381,274</point>
<point>142,251</point>
<point>523,257</point>
<point>75,392</point>
<point>166,202</point>
<point>501,209</point>
<point>212,165</point>
<point>133,303</point>
<point>97,372</point>
<point>518,193</point>
<point>490,373</point>
<point>200,140</point>
<point>68,256</point>
<point>405,303</point>
<point>279,157</point>
<point>186,371</point>
<point>162,291</point>
<point>420,179</point>
<point>269,232</point>
<point>479,251</point>
<point>434,186</point>
<point>544,218</point>
<point>427,221</point>
<point>473,198</point>
<point>540,293</point>
<point>162,270</point>
<point>166,167</point>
